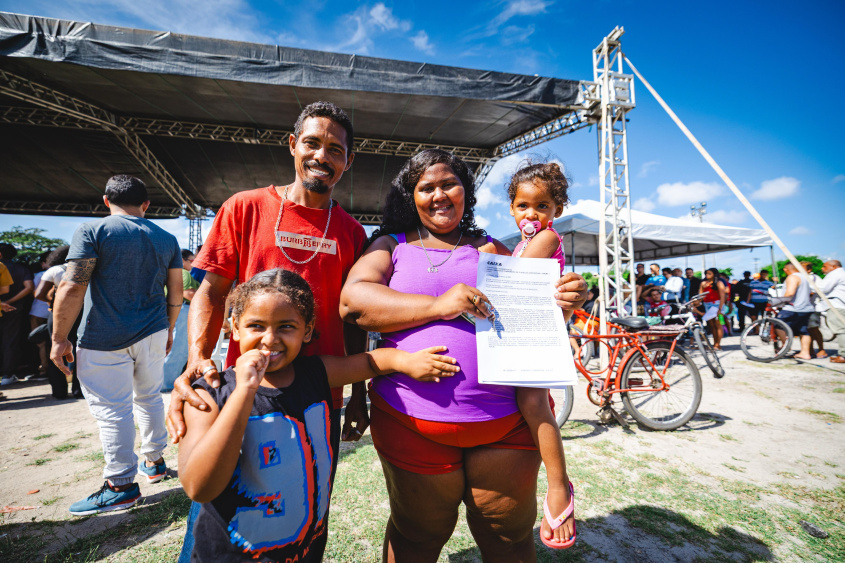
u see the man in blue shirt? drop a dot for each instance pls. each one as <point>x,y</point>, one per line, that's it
<point>119,266</point>
<point>759,294</point>
<point>656,278</point>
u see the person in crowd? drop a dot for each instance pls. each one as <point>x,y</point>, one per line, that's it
<point>119,266</point>
<point>176,360</point>
<point>714,301</point>
<point>46,292</point>
<point>446,446</point>
<point>260,459</point>
<point>742,296</point>
<point>38,313</point>
<point>656,278</point>
<point>685,293</point>
<point>297,227</point>
<point>538,195</point>
<point>797,309</point>
<point>14,306</point>
<point>695,282</point>
<point>673,289</point>
<point>655,306</point>
<point>814,322</point>
<point>727,311</point>
<point>759,293</point>
<point>591,304</point>
<point>641,278</point>
<point>5,284</point>
<point>833,286</point>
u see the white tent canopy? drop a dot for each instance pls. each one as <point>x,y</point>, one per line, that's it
<point>655,236</point>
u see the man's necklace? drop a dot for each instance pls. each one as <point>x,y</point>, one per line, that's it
<point>433,267</point>
<point>322,240</point>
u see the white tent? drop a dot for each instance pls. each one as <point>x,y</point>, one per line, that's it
<point>655,236</point>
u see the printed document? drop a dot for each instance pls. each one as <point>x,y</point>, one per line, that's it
<point>527,345</point>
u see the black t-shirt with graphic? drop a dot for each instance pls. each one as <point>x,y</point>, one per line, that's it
<point>276,504</point>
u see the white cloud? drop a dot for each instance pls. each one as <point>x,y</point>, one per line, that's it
<point>593,181</point>
<point>223,19</point>
<point>839,178</point>
<point>800,230</point>
<point>383,17</point>
<point>518,8</point>
<point>680,193</point>
<point>644,204</point>
<point>513,34</point>
<point>481,221</point>
<point>647,167</point>
<point>420,41</point>
<point>778,188</point>
<point>722,217</point>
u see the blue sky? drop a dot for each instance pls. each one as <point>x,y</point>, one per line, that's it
<point>759,83</point>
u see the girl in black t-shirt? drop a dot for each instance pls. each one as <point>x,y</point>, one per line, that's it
<point>260,459</point>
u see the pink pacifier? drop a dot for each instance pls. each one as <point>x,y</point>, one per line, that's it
<point>529,228</point>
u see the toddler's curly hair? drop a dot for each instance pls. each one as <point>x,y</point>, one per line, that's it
<point>548,174</point>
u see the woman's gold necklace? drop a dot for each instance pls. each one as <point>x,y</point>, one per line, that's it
<point>432,266</point>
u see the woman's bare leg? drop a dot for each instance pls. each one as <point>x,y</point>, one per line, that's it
<point>501,501</point>
<point>423,513</point>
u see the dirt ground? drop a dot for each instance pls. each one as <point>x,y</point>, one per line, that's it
<point>763,423</point>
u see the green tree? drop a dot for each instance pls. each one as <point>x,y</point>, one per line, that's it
<point>29,242</point>
<point>814,260</point>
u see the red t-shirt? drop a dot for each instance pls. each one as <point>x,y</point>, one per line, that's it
<point>242,243</point>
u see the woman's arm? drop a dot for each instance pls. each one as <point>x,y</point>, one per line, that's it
<point>209,452</point>
<point>43,289</point>
<point>367,302</point>
<point>722,295</point>
<point>425,365</point>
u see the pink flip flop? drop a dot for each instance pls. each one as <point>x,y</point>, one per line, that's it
<point>555,523</point>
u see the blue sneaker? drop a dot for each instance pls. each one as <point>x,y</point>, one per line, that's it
<point>107,499</point>
<point>153,474</point>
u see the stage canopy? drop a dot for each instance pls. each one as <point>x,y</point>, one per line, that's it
<point>200,119</point>
<point>656,237</point>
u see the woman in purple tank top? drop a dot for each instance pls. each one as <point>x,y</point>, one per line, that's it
<point>443,443</point>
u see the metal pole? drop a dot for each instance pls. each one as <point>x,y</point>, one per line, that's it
<point>775,276</point>
<point>572,241</point>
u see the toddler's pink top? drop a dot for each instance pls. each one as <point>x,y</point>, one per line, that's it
<point>558,255</point>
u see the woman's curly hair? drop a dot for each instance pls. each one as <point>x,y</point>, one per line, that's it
<point>277,280</point>
<point>400,212</point>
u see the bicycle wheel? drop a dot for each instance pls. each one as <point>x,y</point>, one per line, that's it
<point>564,409</point>
<point>759,343</point>
<point>667,409</point>
<point>588,352</point>
<point>706,349</point>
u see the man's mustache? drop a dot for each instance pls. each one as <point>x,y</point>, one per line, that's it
<point>318,166</point>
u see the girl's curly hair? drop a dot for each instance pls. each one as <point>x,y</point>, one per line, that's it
<point>277,280</point>
<point>400,212</point>
<point>548,174</point>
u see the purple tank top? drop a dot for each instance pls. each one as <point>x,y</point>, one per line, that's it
<point>454,399</point>
<point>558,255</point>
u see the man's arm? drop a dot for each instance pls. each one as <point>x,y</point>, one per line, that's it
<point>205,318</point>
<point>792,283</point>
<point>174,301</point>
<point>69,299</point>
<point>28,287</point>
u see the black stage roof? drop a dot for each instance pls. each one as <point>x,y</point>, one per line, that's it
<point>200,119</point>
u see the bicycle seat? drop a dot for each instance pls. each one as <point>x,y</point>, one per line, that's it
<point>631,323</point>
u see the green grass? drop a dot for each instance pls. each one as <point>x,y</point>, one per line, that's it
<point>41,461</point>
<point>727,438</point>
<point>43,436</point>
<point>51,501</point>
<point>66,447</point>
<point>839,390</point>
<point>824,415</point>
<point>95,456</point>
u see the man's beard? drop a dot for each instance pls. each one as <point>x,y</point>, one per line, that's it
<point>316,186</point>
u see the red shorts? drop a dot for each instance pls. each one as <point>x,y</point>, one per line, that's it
<point>434,448</point>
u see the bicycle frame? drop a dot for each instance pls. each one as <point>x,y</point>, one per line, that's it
<point>611,385</point>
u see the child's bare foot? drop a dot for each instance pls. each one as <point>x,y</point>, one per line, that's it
<point>558,500</point>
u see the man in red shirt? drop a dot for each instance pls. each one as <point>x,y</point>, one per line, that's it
<point>297,227</point>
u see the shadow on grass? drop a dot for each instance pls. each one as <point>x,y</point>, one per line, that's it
<point>646,534</point>
<point>92,538</point>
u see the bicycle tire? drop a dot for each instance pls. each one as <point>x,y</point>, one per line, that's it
<point>565,406</point>
<point>706,349</point>
<point>668,409</point>
<point>760,347</point>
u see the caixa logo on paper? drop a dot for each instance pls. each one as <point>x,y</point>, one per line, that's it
<point>491,263</point>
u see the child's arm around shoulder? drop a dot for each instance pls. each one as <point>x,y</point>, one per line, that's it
<point>209,452</point>
<point>425,365</point>
<point>543,245</point>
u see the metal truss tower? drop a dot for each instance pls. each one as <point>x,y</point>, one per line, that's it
<point>616,245</point>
